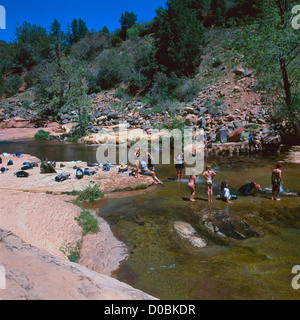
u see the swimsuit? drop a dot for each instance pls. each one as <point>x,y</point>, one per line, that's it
<point>191,184</point>
<point>209,179</point>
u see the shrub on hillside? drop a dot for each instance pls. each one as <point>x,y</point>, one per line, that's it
<point>12,84</point>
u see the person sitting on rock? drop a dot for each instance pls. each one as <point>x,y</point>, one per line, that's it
<point>247,189</point>
<point>146,171</point>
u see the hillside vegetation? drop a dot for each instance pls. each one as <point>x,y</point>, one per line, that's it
<point>188,51</point>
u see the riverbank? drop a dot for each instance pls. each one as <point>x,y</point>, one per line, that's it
<point>36,214</point>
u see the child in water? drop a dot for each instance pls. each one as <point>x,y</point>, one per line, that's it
<point>225,193</point>
<point>192,186</point>
<point>209,178</point>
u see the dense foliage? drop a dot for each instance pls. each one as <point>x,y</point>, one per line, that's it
<point>157,59</point>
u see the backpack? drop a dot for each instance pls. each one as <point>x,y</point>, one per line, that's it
<point>26,167</point>
<point>10,163</point>
<point>106,167</point>
<point>22,174</point>
<point>92,164</point>
<point>79,174</point>
<point>53,163</point>
<point>61,177</point>
<point>89,172</point>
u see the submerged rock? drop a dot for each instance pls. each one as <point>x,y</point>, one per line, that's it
<point>224,224</point>
<point>187,233</point>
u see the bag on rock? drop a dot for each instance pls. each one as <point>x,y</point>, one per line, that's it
<point>22,174</point>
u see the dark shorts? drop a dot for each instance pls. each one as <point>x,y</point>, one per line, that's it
<point>179,166</point>
<point>146,173</point>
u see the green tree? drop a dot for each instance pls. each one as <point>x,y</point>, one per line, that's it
<point>105,29</point>
<point>75,31</point>
<point>127,20</point>
<point>33,45</point>
<point>178,37</point>
<point>271,46</point>
<point>82,28</point>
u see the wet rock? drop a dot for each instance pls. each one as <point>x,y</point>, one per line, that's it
<point>239,71</point>
<point>224,224</point>
<point>187,233</point>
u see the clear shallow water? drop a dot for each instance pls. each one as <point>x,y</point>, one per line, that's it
<point>159,264</point>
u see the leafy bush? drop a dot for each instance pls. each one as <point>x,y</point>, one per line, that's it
<point>187,90</point>
<point>72,251</point>
<point>88,222</point>
<point>41,134</point>
<point>115,41</point>
<point>90,193</point>
<point>12,84</point>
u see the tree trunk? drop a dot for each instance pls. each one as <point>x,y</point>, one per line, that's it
<point>288,97</point>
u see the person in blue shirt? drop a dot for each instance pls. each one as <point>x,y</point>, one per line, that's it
<point>146,171</point>
<point>252,143</point>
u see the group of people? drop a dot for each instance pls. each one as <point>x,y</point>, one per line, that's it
<point>147,168</point>
<point>224,191</point>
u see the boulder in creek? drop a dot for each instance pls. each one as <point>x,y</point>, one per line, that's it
<point>271,142</point>
<point>235,135</point>
<point>224,224</point>
<point>187,233</point>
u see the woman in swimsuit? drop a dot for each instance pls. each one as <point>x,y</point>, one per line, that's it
<point>209,178</point>
<point>137,162</point>
<point>192,186</point>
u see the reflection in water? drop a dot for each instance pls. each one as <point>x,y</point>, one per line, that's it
<point>161,265</point>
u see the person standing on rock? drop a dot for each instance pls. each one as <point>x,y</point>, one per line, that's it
<point>209,178</point>
<point>276,181</point>
<point>137,162</point>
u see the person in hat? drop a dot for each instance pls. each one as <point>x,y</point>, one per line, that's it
<point>276,181</point>
<point>123,168</point>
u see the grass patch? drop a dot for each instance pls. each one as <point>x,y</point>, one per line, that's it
<point>41,134</point>
<point>141,187</point>
<point>90,193</point>
<point>87,222</point>
<point>72,251</point>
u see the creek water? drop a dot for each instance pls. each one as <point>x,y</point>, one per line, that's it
<point>161,265</point>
